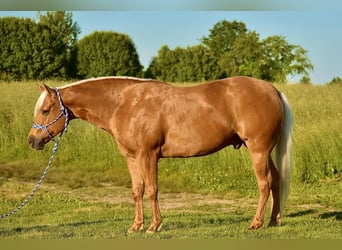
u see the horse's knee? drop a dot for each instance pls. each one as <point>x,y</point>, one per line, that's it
<point>264,186</point>
<point>137,192</point>
<point>152,193</point>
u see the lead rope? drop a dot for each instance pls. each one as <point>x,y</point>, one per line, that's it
<point>64,111</point>
<point>35,189</point>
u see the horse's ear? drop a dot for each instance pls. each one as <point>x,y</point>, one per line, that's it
<point>44,87</point>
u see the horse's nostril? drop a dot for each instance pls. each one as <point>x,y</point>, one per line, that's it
<point>30,141</point>
<point>36,143</point>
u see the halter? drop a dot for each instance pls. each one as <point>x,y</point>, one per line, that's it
<point>64,112</point>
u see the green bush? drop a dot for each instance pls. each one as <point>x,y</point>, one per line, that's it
<point>105,53</point>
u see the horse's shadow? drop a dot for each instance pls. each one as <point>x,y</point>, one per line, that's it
<point>302,213</point>
<point>186,221</point>
<point>327,215</point>
<point>336,214</point>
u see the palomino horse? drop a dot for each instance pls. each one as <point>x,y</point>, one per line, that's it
<point>150,120</point>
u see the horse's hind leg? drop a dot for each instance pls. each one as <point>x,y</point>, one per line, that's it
<point>274,175</point>
<point>261,169</point>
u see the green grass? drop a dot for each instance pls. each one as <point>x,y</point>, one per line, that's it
<point>59,212</point>
<point>88,158</point>
<point>317,112</point>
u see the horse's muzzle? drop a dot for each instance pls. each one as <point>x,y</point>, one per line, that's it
<point>36,143</point>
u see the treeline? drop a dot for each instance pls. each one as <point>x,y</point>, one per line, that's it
<point>41,50</point>
<point>49,48</point>
<point>231,49</point>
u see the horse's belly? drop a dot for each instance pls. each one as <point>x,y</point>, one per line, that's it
<point>194,143</point>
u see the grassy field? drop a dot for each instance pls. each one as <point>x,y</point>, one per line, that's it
<point>106,212</point>
<point>88,163</point>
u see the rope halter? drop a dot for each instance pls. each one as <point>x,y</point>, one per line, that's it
<point>63,112</point>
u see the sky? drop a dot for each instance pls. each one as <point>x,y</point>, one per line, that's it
<point>317,31</point>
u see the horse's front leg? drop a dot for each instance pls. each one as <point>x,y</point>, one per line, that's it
<point>138,193</point>
<point>149,172</point>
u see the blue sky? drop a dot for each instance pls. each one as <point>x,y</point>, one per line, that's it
<point>318,31</point>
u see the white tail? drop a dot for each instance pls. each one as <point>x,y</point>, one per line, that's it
<point>283,153</point>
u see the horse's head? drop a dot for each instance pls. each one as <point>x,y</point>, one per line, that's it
<point>50,118</point>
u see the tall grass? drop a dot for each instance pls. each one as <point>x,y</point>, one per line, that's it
<point>317,114</point>
<point>88,156</point>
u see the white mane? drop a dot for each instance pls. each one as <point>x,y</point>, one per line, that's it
<point>103,78</point>
<point>39,102</point>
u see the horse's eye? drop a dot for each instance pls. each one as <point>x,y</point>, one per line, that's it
<point>46,111</point>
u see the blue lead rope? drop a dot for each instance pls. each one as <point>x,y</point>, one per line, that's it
<point>64,112</point>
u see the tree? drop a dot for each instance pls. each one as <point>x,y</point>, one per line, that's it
<point>240,52</point>
<point>159,63</point>
<point>58,34</point>
<point>191,64</point>
<point>282,59</point>
<point>244,57</point>
<point>223,35</point>
<point>201,64</point>
<point>107,53</point>
<point>18,42</point>
<point>31,50</point>
<point>336,80</point>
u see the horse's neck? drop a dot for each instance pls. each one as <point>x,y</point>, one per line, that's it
<point>92,104</point>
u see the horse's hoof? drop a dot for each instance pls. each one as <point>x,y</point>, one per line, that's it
<point>255,225</point>
<point>272,223</point>
<point>252,227</point>
<point>154,228</point>
<point>135,228</point>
